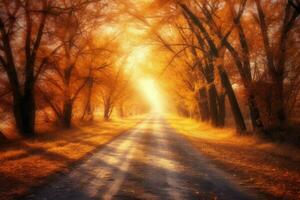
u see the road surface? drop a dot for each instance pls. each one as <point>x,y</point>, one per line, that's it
<point>149,162</point>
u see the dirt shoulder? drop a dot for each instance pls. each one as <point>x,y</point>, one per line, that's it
<point>28,163</point>
<point>271,169</point>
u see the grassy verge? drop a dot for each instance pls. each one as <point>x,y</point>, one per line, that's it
<point>28,163</point>
<point>271,169</point>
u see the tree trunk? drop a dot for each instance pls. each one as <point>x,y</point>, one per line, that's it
<point>254,114</point>
<point>236,111</point>
<point>68,103</point>
<point>2,137</point>
<point>203,105</point>
<point>279,102</point>
<point>222,110</point>
<point>106,114</point>
<point>265,36</point>
<point>213,104</point>
<point>121,110</point>
<point>67,113</point>
<point>24,114</point>
<point>88,111</point>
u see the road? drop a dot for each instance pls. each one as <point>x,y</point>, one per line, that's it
<point>151,162</point>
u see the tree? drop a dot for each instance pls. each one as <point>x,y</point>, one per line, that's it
<point>21,58</point>
<point>113,88</point>
<point>213,54</point>
<point>276,58</point>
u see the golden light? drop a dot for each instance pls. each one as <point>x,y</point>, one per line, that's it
<point>151,93</point>
<point>137,58</point>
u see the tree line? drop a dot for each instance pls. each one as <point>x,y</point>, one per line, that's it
<point>237,53</point>
<point>57,63</point>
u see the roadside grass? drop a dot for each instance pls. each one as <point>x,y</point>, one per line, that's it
<point>28,163</point>
<point>271,169</point>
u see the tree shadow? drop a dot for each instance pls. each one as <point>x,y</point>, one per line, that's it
<point>44,147</point>
<point>143,180</point>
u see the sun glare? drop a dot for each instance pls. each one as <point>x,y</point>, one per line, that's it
<point>151,93</point>
<point>138,56</point>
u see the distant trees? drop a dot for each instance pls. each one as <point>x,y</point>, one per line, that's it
<point>75,30</point>
<point>114,89</point>
<point>207,57</point>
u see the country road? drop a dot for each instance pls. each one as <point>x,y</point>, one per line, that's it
<point>149,162</point>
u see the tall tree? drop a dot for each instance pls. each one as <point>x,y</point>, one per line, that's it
<point>22,27</point>
<point>276,57</point>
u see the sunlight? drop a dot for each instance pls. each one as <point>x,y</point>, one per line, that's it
<point>152,94</point>
<point>137,57</point>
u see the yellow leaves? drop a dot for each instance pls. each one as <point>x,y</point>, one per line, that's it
<point>272,169</point>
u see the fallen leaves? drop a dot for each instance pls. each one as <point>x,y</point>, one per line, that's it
<point>272,169</point>
<point>28,163</point>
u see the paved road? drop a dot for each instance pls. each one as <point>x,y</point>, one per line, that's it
<point>150,162</point>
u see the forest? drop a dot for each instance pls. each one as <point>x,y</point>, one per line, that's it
<point>56,55</point>
<point>225,64</point>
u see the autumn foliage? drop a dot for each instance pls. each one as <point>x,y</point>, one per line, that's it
<point>241,56</point>
<point>224,62</point>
